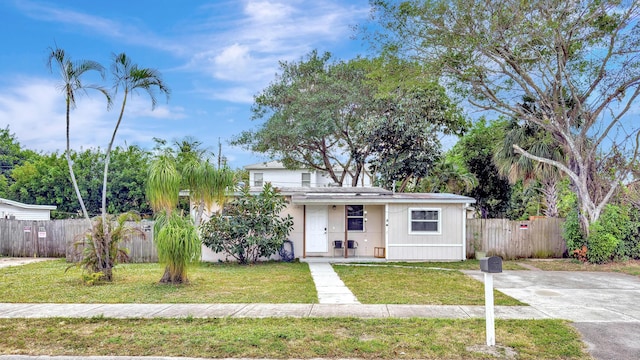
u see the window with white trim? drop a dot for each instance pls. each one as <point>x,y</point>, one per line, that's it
<point>424,221</point>
<point>258,179</point>
<point>355,217</point>
<point>306,179</point>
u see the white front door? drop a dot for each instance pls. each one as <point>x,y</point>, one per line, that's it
<point>316,229</point>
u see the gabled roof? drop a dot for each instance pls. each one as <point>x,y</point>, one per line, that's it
<point>27,206</point>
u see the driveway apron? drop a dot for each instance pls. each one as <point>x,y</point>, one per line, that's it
<point>603,306</point>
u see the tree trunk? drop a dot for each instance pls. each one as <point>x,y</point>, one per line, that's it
<point>177,278</point>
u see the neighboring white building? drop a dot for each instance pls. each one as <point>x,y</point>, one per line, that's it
<point>10,209</point>
<point>279,176</point>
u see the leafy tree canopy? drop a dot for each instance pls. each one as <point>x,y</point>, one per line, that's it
<point>577,61</point>
<point>337,116</point>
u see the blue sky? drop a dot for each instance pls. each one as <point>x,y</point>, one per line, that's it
<point>214,55</point>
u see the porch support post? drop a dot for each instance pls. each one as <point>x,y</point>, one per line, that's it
<point>346,234</point>
<point>304,231</point>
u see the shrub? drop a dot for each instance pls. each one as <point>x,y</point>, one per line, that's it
<point>629,246</point>
<point>102,253</point>
<point>601,244</point>
<point>609,236</point>
<point>250,226</point>
<point>572,232</point>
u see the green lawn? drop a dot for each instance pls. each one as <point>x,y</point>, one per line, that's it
<point>287,337</point>
<point>470,264</point>
<point>415,285</point>
<point>631,267</point>
<point>138,283</point>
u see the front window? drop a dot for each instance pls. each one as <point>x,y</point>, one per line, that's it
<point>306,179</point>
<point>355,217</point>
<point>424,221</point>
<point>257,180</point>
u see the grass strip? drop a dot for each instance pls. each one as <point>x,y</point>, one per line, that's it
<point>469,264</point>
<point>272,282</point>
<point>630,267</point>
<point>411,285</point>
<point>286,337</point>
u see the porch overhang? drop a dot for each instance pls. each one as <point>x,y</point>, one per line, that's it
<point>379,199</point>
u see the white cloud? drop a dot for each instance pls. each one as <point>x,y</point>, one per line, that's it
<point>267,11</point>
<point>124,32</point>
<point>232,62</point>
<point>248,50</point>
<point>34,110</point>
<point>238,42</point>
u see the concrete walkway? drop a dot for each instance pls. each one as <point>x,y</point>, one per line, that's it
<point>331,289</point>
<point>124,311</point>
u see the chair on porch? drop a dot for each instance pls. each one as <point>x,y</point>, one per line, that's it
<point>337,245</point>
<point>352,245</point>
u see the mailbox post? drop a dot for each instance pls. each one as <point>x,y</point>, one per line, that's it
<point>489,266</point>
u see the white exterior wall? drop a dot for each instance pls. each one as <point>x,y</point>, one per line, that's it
<point>293,178</point>
<point>282,177</point>
<point>296,236</point>
<point>7,211</point>
<point>447,245</point>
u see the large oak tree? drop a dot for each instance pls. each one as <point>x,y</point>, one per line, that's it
<point>336,117</point>
<point>576,60</point>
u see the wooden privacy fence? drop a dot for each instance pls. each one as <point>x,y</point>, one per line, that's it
<point>540,237</point>
<point>56,238</point>
<point>60,238</point>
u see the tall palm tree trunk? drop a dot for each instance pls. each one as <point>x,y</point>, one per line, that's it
<point>107,160</point>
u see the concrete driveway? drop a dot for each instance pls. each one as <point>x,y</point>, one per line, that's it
<point>16,261</point>
<point>604,307</point>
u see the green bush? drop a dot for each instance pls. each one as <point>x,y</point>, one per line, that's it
<point>629,247</point>
<point>607,235</point>
<point>601,244</point>
<point>572,231</point>
<point>250,226</point>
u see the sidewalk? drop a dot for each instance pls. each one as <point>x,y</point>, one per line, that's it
<point>123,311</point>
<point>335,300</point>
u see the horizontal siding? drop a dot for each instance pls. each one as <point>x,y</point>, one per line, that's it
<point>24,214</point>
<point>447,245</point>
<point>424,253</point>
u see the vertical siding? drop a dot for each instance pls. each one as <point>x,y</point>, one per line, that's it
<point>516,239</point>
<point>63,238</point>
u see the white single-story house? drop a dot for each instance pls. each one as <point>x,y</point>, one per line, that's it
<point>374,222</point>
<point>14,210</point>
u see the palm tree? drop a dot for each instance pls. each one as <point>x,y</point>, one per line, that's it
<point>71,74</point>
<point>515,167</point>
<point>448,175</point>
<point>207,184</point>
<point>128,78</point>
